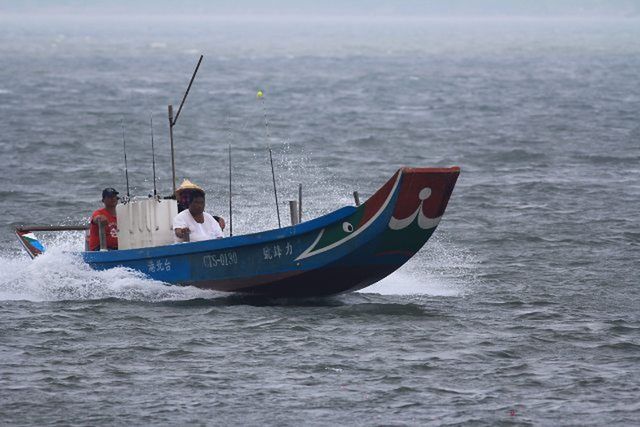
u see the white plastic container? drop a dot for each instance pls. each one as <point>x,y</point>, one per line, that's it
<point>145,223</point>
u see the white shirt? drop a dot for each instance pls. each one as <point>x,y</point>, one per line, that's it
<point>209,229</point>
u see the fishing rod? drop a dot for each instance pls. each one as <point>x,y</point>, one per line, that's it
<point>173,120</point>
<point>230,210</point>
<point>153,159</point>
<point>126,169</point>
<point>230,194</point>
<point>275,192</point>
<point>260,96</point>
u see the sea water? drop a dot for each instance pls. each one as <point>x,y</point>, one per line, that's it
<point>522,308</point>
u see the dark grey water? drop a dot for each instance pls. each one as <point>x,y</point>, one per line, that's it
<point>523,308</point>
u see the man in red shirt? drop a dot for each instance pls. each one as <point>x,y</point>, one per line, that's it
<point>106,215</point>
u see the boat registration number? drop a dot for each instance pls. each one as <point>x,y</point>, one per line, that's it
<point>221,259</point>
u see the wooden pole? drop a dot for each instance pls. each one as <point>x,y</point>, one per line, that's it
<point>356,197</point>
<point>103,236</point>
<point>173,120</point>
<point>27,228</point>
<point>293,210</point>
<point>299,203</point>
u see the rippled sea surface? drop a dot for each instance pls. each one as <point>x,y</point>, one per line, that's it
<point>522,309</point>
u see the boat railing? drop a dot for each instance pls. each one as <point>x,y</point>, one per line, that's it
<point>78,227</point>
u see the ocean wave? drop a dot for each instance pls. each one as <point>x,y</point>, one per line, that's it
<point>383,309</point>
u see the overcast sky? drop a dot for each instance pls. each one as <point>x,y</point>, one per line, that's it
<point>587,8</point>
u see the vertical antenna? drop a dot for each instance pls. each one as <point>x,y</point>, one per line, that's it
<point>153,157</point>
<point>126,169</point>
<point>230,206</point>
<point>260,96</point>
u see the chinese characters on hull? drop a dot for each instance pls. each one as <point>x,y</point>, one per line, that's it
<point>275,251</point>
<point>158,265</point>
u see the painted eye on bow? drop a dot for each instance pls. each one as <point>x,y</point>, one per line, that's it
<point>347,227</point>
<point>424,194</point>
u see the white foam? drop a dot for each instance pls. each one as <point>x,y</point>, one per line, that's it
<point>60,275</point>
<point>407,283</point>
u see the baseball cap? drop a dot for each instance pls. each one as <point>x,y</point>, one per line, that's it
<point>109,192</point>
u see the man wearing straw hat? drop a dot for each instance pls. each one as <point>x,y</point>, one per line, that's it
<point>184,193</point>
<point>193,224</point>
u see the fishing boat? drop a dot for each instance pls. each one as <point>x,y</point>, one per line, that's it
<point>343,251</point>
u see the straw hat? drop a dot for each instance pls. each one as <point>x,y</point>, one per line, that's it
<point>188,185</point>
